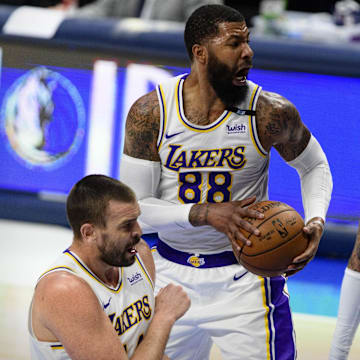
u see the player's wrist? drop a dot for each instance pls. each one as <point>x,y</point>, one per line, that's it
<point>165,317</point>
<point>198,215</point>
<point>317,221</point>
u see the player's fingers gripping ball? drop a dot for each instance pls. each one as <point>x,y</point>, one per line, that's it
<point>281,239</point>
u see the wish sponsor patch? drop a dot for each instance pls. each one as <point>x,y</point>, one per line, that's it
<point>236,127</point>
<point>135,278</point>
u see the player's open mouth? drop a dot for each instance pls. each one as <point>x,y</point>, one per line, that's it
<point>240,78</point>
<point>132,250</point>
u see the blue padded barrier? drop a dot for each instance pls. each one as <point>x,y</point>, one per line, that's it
<point>270,52</point>
<point>164,39</point>
<point>291,54</point>
<point>124,35</point>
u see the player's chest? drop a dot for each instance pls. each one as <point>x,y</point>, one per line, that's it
<point>133,298</point>
<point>228,148</point>
<point>130,308</point>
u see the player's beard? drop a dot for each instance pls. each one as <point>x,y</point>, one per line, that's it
<point>220,76</point>
<point>115,256</point>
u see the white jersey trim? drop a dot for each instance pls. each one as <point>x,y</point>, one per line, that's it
<point>252,122</point>
<point>181,112</point>
<point>163,115</point>
<point>143,268</point>
<point>91,274</point>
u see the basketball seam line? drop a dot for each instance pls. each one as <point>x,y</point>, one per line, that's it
<point>276,247</point>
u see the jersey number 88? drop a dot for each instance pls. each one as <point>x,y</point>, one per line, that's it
<point>217,189</point>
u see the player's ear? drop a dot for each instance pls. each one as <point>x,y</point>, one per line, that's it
<point>200,53</point>
<point>88,232</point>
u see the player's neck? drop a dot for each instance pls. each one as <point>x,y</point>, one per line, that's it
<point>109,275</point>
<point>201,104</point>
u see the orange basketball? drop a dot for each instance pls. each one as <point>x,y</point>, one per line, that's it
<point>280,241</point>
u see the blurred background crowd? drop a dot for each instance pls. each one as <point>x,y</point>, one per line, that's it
<point>322,20</point>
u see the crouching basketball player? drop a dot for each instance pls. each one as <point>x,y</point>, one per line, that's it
<point>96,301</point>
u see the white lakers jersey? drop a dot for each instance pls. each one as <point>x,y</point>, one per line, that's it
<point>130,305</point>
<point>218,162</point>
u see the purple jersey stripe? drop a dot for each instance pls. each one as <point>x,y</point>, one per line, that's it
<point>284,331</point>
<point>270,316</point>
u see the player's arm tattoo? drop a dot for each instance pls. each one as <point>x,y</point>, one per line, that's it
<point>280,126</point>
<point>142,128</point>
<point>297,135</point>
<point>354,261</point>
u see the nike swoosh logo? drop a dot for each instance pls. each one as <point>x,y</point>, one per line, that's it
<point>167,136</point>
<point>106,305</point>
<point>236,277</point>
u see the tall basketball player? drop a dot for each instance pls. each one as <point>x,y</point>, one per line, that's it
<point>197,153</point>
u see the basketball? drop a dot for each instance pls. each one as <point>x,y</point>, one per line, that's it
<point>280,241</point>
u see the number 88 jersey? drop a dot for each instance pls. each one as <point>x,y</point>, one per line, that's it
<point>219,162</point>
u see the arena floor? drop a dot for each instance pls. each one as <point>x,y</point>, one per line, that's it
<point>26,249</point>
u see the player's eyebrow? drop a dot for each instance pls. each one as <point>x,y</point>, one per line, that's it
<point>124,223</point>
<point>127,221</point>
<point>238,37</point>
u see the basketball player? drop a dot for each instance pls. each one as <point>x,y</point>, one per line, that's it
<point>197,154</point>
<point>349,307</point>
<point>96,301</point>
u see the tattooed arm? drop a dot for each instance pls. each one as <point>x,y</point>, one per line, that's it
<point>141,170</point>
<point>142,128</point>
<point>280,126</point>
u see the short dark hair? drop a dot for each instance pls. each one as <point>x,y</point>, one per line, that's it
<point>203,24</point>
<point>88,200</point>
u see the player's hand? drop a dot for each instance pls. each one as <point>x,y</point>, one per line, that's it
<point>172,301</point>
<point>228,218</point>
<point>313,231</point>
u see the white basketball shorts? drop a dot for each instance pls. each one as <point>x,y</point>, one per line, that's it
<point>247,316</point>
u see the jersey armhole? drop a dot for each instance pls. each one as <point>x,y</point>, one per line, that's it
<point>252,122</point>
<point>162,104</point>
<point>143,268</point>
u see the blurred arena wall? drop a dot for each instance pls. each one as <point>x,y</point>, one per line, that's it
<point>66,85</point>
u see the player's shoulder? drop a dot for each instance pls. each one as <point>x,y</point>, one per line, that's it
<point>61,283</point>
<point>146,105</point>
<point>275,109</point>
<point>272,100</point>
<point>144,115</point>
<point>54,290</point>
<point>277,119</point>
<point>64,298</point>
